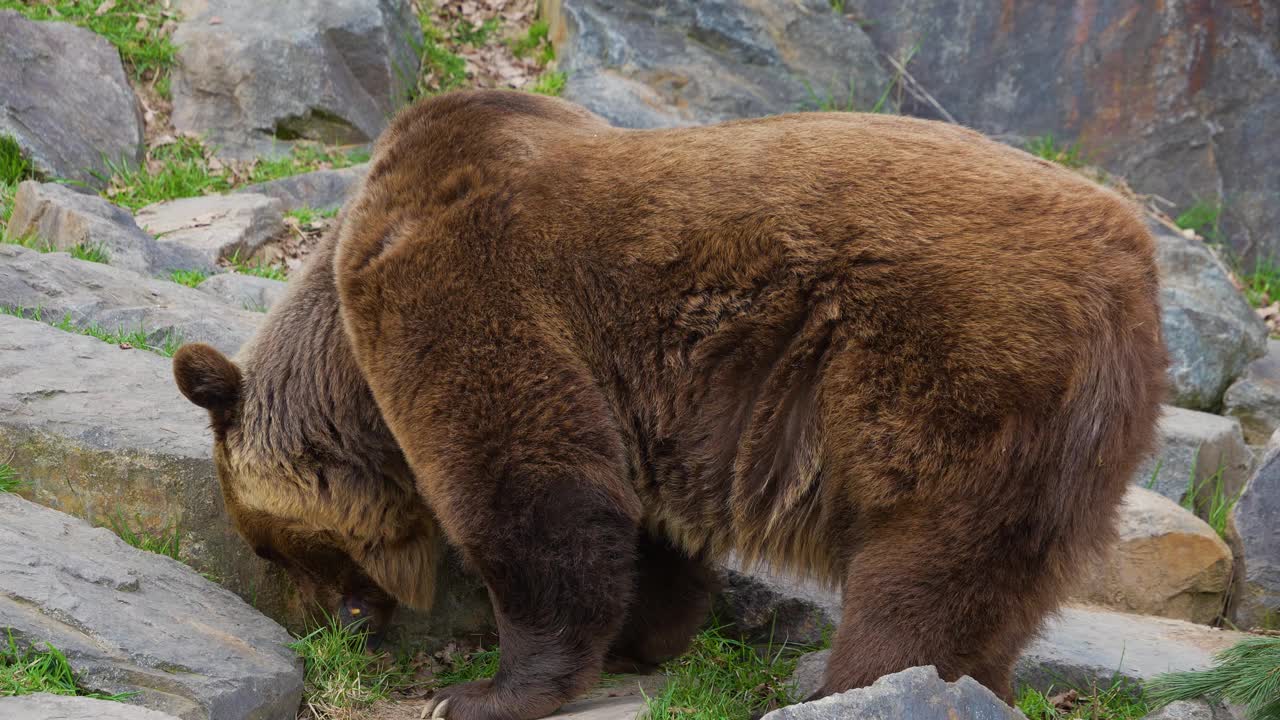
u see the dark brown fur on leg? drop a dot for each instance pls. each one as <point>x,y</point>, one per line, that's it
<point>673,597</point>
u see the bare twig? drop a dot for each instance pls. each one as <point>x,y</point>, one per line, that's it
<point>917,90</point>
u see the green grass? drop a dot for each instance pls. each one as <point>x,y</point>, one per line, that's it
<point>1202,217</point>
<point>1046,147</point>
<point>124,338</point>
<point>190,278</point>
<point>9,481</point>
<point>260,269</point>
<point>24,671</point>
<point>536,42</point>
<point>338,673</point>
<point>475,35</point>
<point>549,83</point>
<point>442,69</point>
<point>306,216</point>
<point>721,678</point>
<point>132,26</point>
<point>1120,701</point>
<point>14,168</point>
<point>165,542</point>
<point>1247,673</point>
<point>830,101</point>
<point>90,253</point>
<point>181,169</point>
<point>1262,284</point>
<point>1208,499</point>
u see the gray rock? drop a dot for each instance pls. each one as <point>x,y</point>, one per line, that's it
<point>319,190</point>
<point>1257,518</point>
<point>1083,645</point>
<point>43,706</point>
<point>246,292</point>
<point>219,227</point>
<point>64,218</point>
<point>57,286</point>
<point>1196,444</point>
<point>647,63</point>
<point>1166,562</point>
<point>336,76</point>
<point>1255,397</point>
<point>133,621</point>
<point>100,433</point>
<point>768,607</point>
<point>1212,332</point>
<point>65,99</point>
<point>913,694</point>
<point>1174,97</point>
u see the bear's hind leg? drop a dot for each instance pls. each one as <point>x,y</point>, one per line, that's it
<point>673,597</point>
<point>941,589</point>
<point>559,564</point>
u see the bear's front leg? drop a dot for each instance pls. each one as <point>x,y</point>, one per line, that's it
<point>559,561</point>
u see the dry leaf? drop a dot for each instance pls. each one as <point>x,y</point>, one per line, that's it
<point>105,7</point>
<point>215,20</point>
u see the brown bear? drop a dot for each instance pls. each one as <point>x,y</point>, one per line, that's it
<point>885,353</point>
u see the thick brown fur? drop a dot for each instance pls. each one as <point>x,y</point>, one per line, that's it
<point>883,352</point>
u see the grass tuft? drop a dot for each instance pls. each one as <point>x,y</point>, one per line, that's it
<point>1120,701</point>
<point>721,678</point>
<point>1203,217</point>
<point>165,542</point>
<point>260,269</point>
<point>536,42</point>
<point>1046,147</point>
<point>1248,673</point>
<point>549,83</point>
<point>442,69</point>
<point>338,673</point>
<point>126,340</point>
<point>31,670</point>
<point>190,278</point>
<point>9,481</point>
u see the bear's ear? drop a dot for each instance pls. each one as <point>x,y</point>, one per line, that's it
<point>207,377</point>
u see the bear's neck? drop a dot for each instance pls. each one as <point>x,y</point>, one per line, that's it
<point>304,392</point>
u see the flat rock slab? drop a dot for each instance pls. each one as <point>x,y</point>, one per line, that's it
<point>913,694</point>
<point>43,706</point>
<point>133,621</point>
<point>64,97</point>
<point>769,607</point>
<point>1197,710</point>
<point>712,60</point>
<point>220,227</point>
<point>319,190</point>
<point>1084,645</point>
<point>1195,444</point>
<point>64,218</point>
<point>60,286</point>
<point>336,76</point>
<point>244,292</point>
<point>1255,397</point>
<point>1168,562</point>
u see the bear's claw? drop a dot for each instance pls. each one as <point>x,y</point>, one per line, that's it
<point>436,709</point>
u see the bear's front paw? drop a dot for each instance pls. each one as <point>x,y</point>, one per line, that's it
<point>467,701</point>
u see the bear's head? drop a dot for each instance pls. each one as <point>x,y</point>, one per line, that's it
<point>335,508</point>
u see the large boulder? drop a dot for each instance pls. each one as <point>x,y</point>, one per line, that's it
<point>1167,562</point>
<point>642,63</point>
<point>1194,447</point>
<point>765,606</point>
<point>1255,397</point>
<point>1177,97</point>
<point>64,219</point>
<point>1083,646</point>
<point>1257,518</point>
<point>317,190</point>
<point>1197,710</point>
<point>1211,331</point>
<point>219,227</point>
<point>65,99</point>
<point>131,621</point>
<point>103,434</point>
<point>57,286</point>
<point>43,706</point>
<point>913,694</point>
<point>253,75</point>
